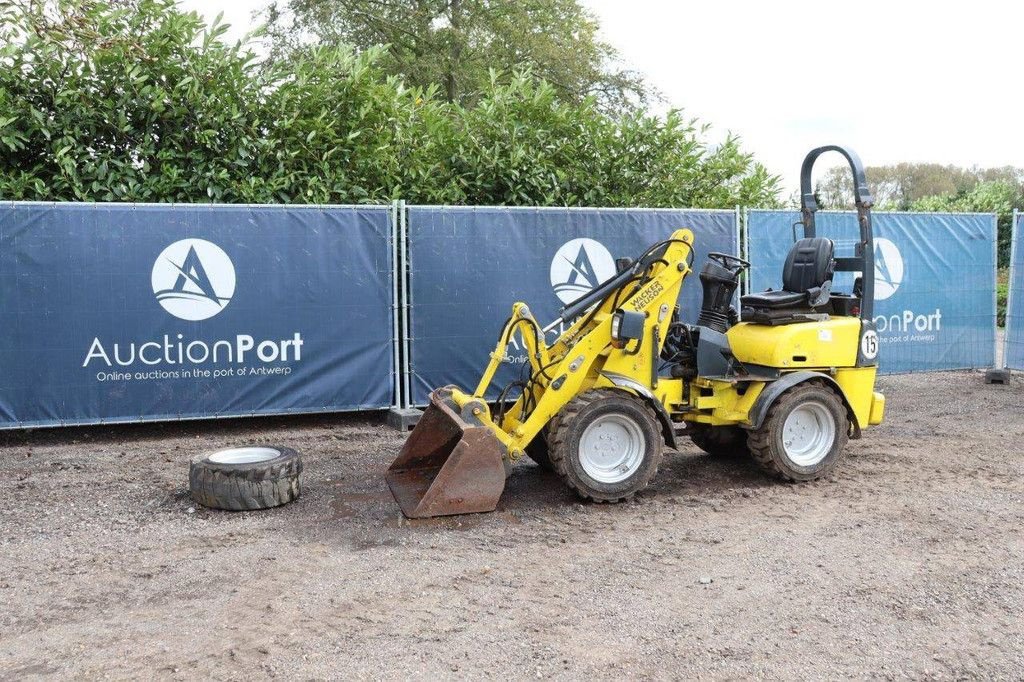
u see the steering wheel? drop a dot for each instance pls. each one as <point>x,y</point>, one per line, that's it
<point>725,259</point>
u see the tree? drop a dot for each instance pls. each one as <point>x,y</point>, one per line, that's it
<point>897,186</point>
<point>457,43</point>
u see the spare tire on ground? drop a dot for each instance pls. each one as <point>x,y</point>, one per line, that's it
<point>238,479</point>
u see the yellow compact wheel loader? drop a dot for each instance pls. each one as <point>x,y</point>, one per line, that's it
<point>789,384</point>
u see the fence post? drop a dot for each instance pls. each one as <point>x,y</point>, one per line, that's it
<point>999,374</point>
<point>406,299</point>
<point>403,416</point>
<point>396,359</point>
<point>1009,286</point>
<point>739,250</point>
<point>745,246</point>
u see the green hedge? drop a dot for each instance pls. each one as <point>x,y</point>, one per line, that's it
<point>137,101</point>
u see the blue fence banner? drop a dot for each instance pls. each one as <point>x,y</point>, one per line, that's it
<point>1013,350</point>
<point>122,312</point>
<point>934,281</point>
<point>467,266</point>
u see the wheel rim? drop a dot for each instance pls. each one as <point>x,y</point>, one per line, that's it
<point>612,448</point>
<point>244,455</point>
<point>808,433</point>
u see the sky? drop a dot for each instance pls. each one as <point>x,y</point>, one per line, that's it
<point>897,81</point>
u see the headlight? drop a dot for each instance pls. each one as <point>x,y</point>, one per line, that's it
<point>627,325</point>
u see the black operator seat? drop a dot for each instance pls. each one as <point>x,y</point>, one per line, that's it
<point>806,284</point>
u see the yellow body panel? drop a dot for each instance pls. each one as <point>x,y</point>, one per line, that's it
<point>858,384</point>
<point>877,409</point>
<point>804,345</point>
<point>729,402</point>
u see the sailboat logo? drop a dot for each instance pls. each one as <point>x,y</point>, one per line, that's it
<point>193,279</point>
<point>888,268</point>
<point>580,265</point>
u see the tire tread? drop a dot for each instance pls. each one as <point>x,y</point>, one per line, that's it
<point>247,487</point>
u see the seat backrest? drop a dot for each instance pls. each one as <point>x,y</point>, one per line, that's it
<point>810,264</point>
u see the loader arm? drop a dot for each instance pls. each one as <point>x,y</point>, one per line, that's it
<point>536,350</point>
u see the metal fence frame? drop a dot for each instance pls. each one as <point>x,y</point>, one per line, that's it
<point>1009,287</point>
<point>396,385</point>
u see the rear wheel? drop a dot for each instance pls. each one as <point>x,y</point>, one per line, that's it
<point>720,441</point>
<point>803,435</point>
<point>605,444</point>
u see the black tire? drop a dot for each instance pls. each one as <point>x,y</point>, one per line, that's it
<point>719,441</point>
<point>537,450</point>
<point>568,426</point>
<point>219,480</point>
<point>769,449</point>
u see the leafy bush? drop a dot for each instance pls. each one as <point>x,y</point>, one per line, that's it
<point>138,101</point>
<point>125,103</point>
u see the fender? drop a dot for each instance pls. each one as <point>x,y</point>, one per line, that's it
<point>667,429</point>
<point>776,388</point>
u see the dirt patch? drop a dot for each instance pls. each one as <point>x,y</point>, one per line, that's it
<point>909,562</point>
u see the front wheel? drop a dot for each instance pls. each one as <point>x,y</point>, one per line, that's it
<point>803,435</point>
<point>605,444</point>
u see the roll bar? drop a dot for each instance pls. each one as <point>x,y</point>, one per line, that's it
<point>864,258</point>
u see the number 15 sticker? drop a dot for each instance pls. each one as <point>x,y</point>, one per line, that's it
<point>869,344</point>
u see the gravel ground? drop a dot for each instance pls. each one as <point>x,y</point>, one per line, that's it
<point>907,563</point>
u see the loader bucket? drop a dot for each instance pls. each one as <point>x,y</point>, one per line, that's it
<point>450,464</point>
